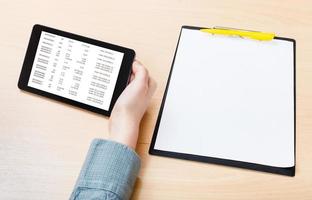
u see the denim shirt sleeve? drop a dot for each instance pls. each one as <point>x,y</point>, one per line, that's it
<point>109,172</point>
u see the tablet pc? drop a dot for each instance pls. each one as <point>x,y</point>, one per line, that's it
<point>76,70</point>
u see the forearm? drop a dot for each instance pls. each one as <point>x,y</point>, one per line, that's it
<point>109,172</point>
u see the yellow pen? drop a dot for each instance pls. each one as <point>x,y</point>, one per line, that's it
<point>239,32</point>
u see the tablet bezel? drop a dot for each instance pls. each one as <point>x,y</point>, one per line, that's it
<point>121,83</point>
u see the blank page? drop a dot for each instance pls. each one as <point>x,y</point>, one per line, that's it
<point>230,98</point>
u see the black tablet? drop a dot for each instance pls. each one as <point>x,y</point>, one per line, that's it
<point>77,70</point>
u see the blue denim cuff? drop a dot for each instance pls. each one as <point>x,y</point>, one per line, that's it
<point>109,166</point>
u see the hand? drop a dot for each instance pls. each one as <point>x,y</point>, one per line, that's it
<point>130,106</point>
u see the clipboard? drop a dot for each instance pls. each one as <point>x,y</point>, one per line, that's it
<point>164,143</point>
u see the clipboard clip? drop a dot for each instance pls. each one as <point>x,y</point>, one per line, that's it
<point>256,35</point>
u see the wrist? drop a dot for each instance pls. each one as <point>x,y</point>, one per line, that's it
<point>124,133</point>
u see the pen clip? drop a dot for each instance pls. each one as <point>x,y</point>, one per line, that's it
<point>230,28</point>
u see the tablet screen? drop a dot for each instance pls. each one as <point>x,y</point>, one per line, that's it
<point>76,70</point>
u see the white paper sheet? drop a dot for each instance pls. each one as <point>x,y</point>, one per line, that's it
<point>231,98</point>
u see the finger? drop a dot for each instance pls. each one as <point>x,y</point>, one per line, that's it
<point>152,85</point>
<point>131,77</point>
<point>140,72</point>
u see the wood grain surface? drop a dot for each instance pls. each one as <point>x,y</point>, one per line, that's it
<point>43,143</point>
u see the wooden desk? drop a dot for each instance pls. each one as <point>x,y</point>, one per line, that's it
<point>43,143</point>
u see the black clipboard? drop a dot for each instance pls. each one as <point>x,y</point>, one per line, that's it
<point>288,171</point>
